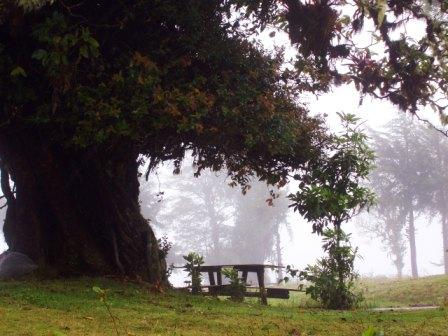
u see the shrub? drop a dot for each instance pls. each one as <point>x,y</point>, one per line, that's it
<point>333,277</point>
<point>194,260</point>
<point>237,285</point>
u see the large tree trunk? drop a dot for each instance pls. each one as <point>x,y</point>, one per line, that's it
<point>77,212</point>
<point>412,244</point>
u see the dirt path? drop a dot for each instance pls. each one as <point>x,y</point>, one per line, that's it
<point>404,308</point>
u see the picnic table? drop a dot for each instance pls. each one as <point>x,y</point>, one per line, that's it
<point>216,286</point>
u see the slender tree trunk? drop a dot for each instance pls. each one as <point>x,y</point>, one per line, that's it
<point>77,212</point>
<point>445,242</point>
<point>399,264</point>
<point>441,207</point>
<point>278,251</point>
<point>216,256</point>
<point>398,252</point>
<point>338,256</point>
<point>412,244</point>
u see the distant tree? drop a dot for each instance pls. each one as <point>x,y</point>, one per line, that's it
<point>258,222</point>
<point>387,222</point>
<point>401,178</point>
<point>436,146</point>
<point>222,223</point>
<point>198,212</point>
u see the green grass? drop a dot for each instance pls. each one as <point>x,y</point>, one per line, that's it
<point>387,292</point>
<point>432,290</point>
<point>71,307</point>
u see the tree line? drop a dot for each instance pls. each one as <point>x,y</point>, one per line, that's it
<point>222,223</point>
<point>410,181</point>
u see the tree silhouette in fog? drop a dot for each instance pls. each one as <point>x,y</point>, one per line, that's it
<point>208,216</point>
<point>401,181</point>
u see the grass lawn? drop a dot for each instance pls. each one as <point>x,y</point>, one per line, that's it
<point>71,307</point>
<point>432,290</point>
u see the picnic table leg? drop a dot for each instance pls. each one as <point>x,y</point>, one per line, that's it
<point>260,276</point>
<point>211,278</point>
<point>219,277</point>
<point>245,276</point>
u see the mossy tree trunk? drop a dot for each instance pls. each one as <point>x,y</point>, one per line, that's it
<point>76,212</point>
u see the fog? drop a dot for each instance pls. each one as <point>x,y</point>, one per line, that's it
<point>299,246</point>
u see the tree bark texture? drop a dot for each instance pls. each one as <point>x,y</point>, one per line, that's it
<point>412,244</point>
<point>76,212</point>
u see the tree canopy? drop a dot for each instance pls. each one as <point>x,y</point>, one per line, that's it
<point>169,76</point>
<point>147,76</point>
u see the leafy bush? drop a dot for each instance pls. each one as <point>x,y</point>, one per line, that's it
<point>237,285</point>
<point>194,260</point>
<point>332,277</point>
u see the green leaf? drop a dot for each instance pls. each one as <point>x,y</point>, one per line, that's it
<point>18,71</point>
<point>94,43</point>
<point>83,51</point>
<point>98,290</point>
<point>371,331</point>
<point>39,54</point>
